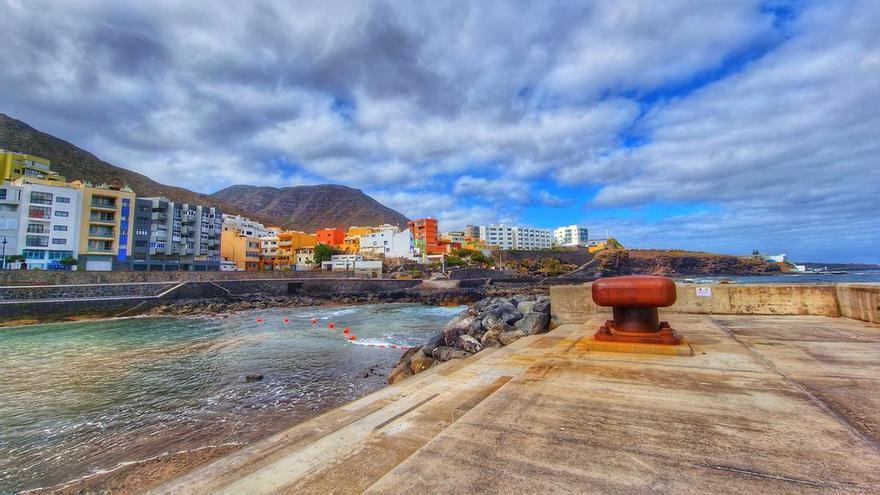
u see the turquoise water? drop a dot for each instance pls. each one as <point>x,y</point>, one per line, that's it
<point>78,398</point>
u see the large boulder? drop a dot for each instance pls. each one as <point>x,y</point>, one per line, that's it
<point>401,371</point>
<point>420,362</point>
<point>542,305</point>
<point>490,338</point>
<point>457,326</point>
<point>525,306</point>
<point>508,338</point>
<point>446,353</point>
<point>469,344</point>
<point>476,329</point>
<point>436,341</point>
<point>495,322</point>
<point>533,323</point>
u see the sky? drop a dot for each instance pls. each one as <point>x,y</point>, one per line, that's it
<point>723,126</point>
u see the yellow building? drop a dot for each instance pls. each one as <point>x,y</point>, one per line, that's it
<point>352,242</point>
<point>106,225</point>
<point>596,246</point>
<point>243,251</point>
<point>14,165</point>
<point>288,242</point>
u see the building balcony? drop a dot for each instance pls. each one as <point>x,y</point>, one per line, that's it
<point>159,215</point>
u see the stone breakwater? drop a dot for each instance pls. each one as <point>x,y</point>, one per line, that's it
<point>490,322</point>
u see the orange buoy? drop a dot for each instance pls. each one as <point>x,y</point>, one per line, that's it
<point>331,325</point>
<point>352,338</point>
<point>259,320</point>
<point>346,331</point>
<point>286,321</point>
<point>314,321</point>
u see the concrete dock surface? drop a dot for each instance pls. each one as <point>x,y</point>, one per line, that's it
<point>767,404</point>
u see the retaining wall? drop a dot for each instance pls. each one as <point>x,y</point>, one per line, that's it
<point>574,303</point>
<point>63,277</point>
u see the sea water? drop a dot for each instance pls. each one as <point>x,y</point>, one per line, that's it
<point>87,397</point>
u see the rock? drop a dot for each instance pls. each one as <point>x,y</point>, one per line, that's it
<point>490,338</point>
<point>469,344</point>
<point>525,306</point>
<point>533,323</point>
<point>433,343</point>
<point>520,298</point>
<point>401,371</point>
<point>446,353</point>
<point>508,338</point>
<point>494,322</point>
<point>542,306</point>
<point>457,326</point>
<point>253,377</point>
<point>476,328</point>
<point>420,362</point>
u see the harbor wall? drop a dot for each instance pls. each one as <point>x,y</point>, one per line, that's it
<point>574,303</point>
<point>64,277</point>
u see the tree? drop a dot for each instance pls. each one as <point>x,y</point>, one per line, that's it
<point>68,261</point>
<point>323,252</point>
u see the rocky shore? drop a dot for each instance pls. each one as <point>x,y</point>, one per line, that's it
<point>436,297</point>
<point>490,322</point>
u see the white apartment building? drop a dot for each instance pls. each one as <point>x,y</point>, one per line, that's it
<point>510,237</point>
<point>39,221</point>
<point>454,236</point>
<point>245,226</point>
<point>389,242</point>
<point>571,235</point>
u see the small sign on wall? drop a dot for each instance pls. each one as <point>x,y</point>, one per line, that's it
<point>704,292</point>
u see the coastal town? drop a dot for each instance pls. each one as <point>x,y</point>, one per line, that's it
<point>48,223</point>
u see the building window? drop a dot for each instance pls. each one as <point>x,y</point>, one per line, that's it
<point>141,232</point>
<point>2,193</point>
<point>36,228</point>
<point>57,255</point>
<point>41,198</point>
<point>39,212</point>
<point>56,240</point>
<point>36,241</point>
<point>62,199</point>
<point>59,213</point>
<point>59,228</point>
<point>33,254</point>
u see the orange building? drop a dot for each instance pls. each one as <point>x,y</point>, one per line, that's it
<point>288,242</point>
<point>330,237</point>
<point>424,232</point>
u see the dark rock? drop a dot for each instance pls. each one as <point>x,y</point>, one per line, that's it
<point>401,371</point>
<point>434,342</point>
<point>469,344</point>
<point>476,328</point>
<point>457,326</point>
<point>494,322</point>
<point>533,323</point>
<point>446,353</point>
<point>253,377</point>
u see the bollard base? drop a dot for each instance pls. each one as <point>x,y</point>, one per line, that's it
<point>664,336</point>
<point>683,348</point>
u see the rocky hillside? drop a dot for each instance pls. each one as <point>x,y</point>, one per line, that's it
<point>310,208</point>
<point>616,262</point>
<point>302,207</point>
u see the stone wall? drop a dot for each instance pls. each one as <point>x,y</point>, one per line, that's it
<point>63,277</point>
<point>83,290</point>
<point>574,303</point>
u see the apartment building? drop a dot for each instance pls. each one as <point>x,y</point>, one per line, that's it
<point>39,220</point>
<point>455,236</point>
<point>182,236</point>
<point>14,165</point>
<point>472,232</point>
<point>288,242</point>
<point>245,226</point>
<point>528,238</point>
<point>571,236</point>
<point>390,243</point>
<point>330,237</point>
<point>305,258</point>
<point>243,251</point>
<point>106,226</point>
<point>499,236</point>
<point>352,241</point>
<point>511,237</point>
<point>424,232</point>
<point>269,249</point>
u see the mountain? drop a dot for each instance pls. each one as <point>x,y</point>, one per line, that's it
<point>302,207</point>
<point>309,208</point>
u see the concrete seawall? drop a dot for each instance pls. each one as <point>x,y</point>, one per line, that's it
<point>574,303</point>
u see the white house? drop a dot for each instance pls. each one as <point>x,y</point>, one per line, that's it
<point>355,263</point>
<point>390,242</point>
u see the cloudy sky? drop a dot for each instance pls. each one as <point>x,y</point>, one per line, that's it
<point>717,125</point>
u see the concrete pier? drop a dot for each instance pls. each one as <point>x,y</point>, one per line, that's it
<point>772,403</point>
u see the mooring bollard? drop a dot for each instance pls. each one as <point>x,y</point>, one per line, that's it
<point>635,299</point>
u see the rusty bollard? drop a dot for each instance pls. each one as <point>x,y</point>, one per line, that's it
<point>635,300</point>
